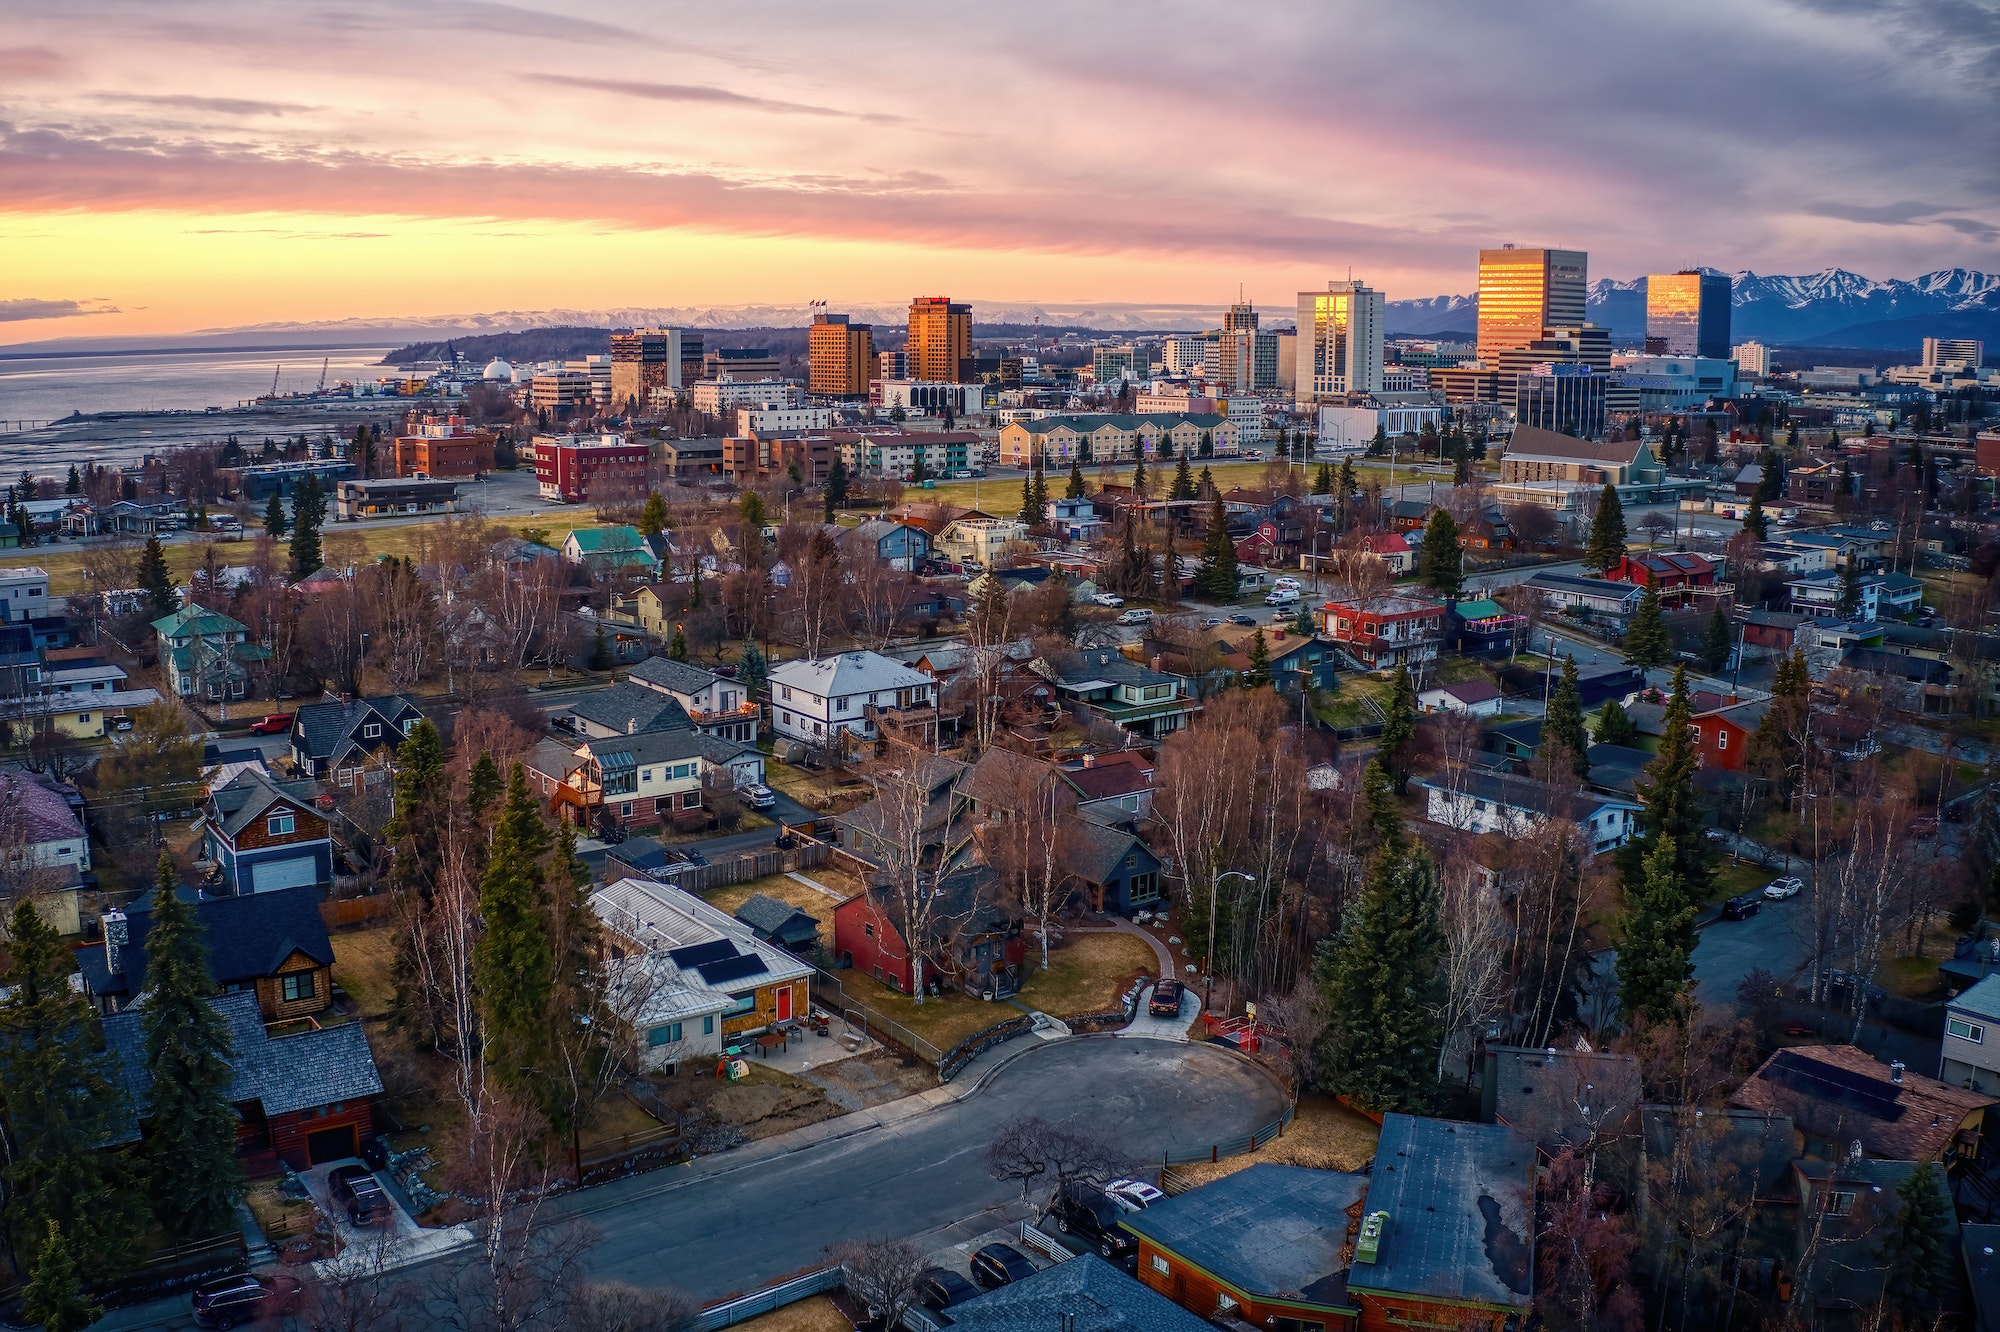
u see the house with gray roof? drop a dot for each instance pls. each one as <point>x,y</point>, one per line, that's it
<point>1971,1043</point>
<point>305,1097</point>
<point>1477,801</point>
<point>346,739</point>
<point>1448,1232</point>
<point>1085,1294</point>
<point>273,944</point>
<point>1113,868</point>
<point>716,704</point>
<point>259,835</point>
<point>627,709</point>
<point>1130,696</point>
<point>779,923</point>
<point>819,701</point>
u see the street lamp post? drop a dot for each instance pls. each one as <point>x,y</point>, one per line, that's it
<point>1208,963</point>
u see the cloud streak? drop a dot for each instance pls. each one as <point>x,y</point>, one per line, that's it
<point>14,311</point>
<point>700,93</point>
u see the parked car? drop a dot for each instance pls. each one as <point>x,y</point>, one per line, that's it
<point>1111,599</point>
<point>997,1264</point>
<point>355,1188</point>
<point>1083,1210</point>
<point>1132,1194</point>
<point>1284,596</point>
<point>1779,889</point>
<point>228,1301</point>
<point>1166,1000</point>
<point>1212,622</point>
<point>1137,615</point>
<point>275,724</point>
<point>1247,621</point>
<point>1742,907</point>
<point>759,796</point>
<point>939,1288</point>
<point>1287,582</point>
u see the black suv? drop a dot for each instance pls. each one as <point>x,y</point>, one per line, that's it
<point>1166,1000</point>
<point>355,1188</point>
<point>245,1299</point>
<point>1742,908</point>
<point>939,1288</point>
<point>1082,1209</point>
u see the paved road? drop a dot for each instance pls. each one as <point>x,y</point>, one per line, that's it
<point>1777,939</point>
<point>732,1231</point>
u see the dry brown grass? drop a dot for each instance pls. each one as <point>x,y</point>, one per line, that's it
<point>809,900</point>
<point>814,1315</point>
<point>1324,1135</point>
<point>1088,973</point>
<point>361,966</point>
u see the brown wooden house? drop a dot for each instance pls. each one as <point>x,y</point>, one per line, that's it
<point>273,945</point>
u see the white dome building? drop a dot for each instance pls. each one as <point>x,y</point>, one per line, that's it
<point>497,371</point>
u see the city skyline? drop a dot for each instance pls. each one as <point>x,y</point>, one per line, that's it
<point>174,167</point>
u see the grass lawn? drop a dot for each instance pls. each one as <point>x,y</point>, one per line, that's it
<point>1910,977</point>
<point>1089,973</point>
<point>1731,880</point>
<point>809,900</point>
<point>1343,706</point>
<point>943,1019</point>
<point>1454,669</point>
<point>361,962</point>
<point>1325,1135</point>
<point>814,1315</point>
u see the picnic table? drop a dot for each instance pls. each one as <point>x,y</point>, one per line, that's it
<point>771,1040</point>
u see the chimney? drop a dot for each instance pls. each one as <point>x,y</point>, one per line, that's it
<point>1090,760</point>
<point>632,726</point>
<point>1854,1152</point>
<point>1896,1072</point>
<point>116,936</point>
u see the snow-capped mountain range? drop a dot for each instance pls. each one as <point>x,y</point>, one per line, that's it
<point>1834,307</point>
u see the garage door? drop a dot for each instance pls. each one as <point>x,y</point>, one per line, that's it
<point>332,1145</point>
<point>293,873</point>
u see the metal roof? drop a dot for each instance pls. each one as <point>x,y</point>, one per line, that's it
<point>1460,1199</point>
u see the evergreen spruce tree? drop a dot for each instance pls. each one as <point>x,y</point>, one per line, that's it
<point>1029,516</point>
<point>1607,532</point>
<point>61,1104</point>
<point>653,517</point>
<point>1850,588</point>
<point>750,509</point>
<point>1646,641</point>
<point>1165,448</point>
<point>751,672</point>
<point>1442,566</point>
<point>678,649</point>
<point>1399,728</point>
<point>193,1178</point>
<point>417,832</point>
<point>1041,495</point>
<point>514,963</point>
<point>1461,469</point>
<point>1076,489</point>
<point>73,486</point>
<point>1345,485</point>
<point>274,516</point>
<point>1323,479</point>
<point>1754,521</point>
<point>1614,725</point>
<point>1716,640</point>
<point>1215,576</point>
<point>54,1298</point>
<point>308,512</point>
<point>1259,673</point>
<point>1139,476</point>
<point>1380,976</point>
<point>155,581</point>
<point>1183,488</point>
<point>1564,723</point>
<point>482,785</point>
<point>1385,816</point>
<point>1918,1247</point>
<point>600,650</point>
<point>836,483</point>
<point>1673,812</point>
<point>1302,624</point>
<point>1378,444</point>
<point>1655,957</point>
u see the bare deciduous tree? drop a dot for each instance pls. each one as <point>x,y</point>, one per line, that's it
<point>882,1274</point>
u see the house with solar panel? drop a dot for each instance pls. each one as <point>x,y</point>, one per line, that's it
<point>695,981</point>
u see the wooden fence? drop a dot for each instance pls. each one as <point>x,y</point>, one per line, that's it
<point>354,911</point>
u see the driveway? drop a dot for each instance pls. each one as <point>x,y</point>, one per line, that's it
<point>1146,1026</point>
<point>1776,939</point>
<point>736,1229</point>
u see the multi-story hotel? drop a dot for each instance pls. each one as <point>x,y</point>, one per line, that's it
<point>1687,314</point>
<point>940,346</point>
<point>1339,342</point>
<point>840,356</point>
<point>447,447</point>
<point>644,359</point>
<point>1523,292</point>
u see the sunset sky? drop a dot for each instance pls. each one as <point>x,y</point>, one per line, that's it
<point>168,165</point>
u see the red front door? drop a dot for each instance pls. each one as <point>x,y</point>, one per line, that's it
<point>785,1004</point>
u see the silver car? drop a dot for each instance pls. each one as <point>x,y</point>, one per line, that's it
<point>1779,889</point>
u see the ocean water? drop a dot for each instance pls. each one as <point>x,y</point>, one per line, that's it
<point>45,389</point>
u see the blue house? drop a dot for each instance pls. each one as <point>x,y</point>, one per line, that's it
<point>1113,867</point>
<point>264,835</point>
<point>897,544</point>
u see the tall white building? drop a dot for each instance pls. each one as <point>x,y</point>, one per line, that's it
<point>1753,360</point>
<point>1339,342</point>
<point>1184,353</point>
<point>1940,352</point>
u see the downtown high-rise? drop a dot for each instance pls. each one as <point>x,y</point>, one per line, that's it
<point>940,345</point>
<point>1687,314</point>
<point>1524,292</point>
<point>1339,342</point>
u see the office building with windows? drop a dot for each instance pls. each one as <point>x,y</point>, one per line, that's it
<point>940,346</point>
<point>1962,352</point>
<point>840,356</point>
<point>1753,360</point>
<point>1564,397</point>
<point>644,359</point>
<point>1687,314</point>
<point>1339,342</point>
<point>1523,292</point>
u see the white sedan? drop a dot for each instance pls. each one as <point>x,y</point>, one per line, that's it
<point>1109,599</point>
<point>1133,1195</point>
<point>1779,889</point>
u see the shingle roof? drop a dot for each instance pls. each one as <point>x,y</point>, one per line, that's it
<point>1842,1094</point>
<point>1563,1098</point>
<point>196,622</point>
<point>645,747</point>
<point>1106,666</point>
<point>1460,1199</point>
<point>1981,1000</point>
<point>776,920</point>
<point>45,816</point>
<point>1534,442</point>
<point>677,677</point>
<point>1272,1230</point>
<point>248,937</point>
<point>1526,793</point>
<point>632,709</point>
<point>1094,852</point>
<point>321,730</point>
<point>283,1073</point>
<point>1085,1294</point>
<point>250,793</point>
<point>848,673</point>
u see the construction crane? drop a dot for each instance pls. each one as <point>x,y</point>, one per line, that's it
<point>274,377</point>
<point>324,363</point>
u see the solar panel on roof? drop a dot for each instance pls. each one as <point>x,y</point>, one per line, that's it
<point>701,954</point>
<point>732,968</point>
<point>1873,1095</point>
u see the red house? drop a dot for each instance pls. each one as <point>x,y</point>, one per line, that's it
<point>1725,733</point>
<point>1382,632</point>
<point>973,944</point>
<point>1673,572</point>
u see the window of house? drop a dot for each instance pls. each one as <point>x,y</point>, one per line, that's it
<point>1721,738</point>
<point>83,716</point>
<point>625,809</point>
<point>295,986</point>
<point>1224,1302</point>
<point>1966,1031</point>
<point>409,725</point>
<point>279,825</point>
<point>869,930</point>
<point>1160,1265</point>
<point>1839,1202</point>
<point>669,1034</point>
<point>745,1004</point>
<point>708,1025</point>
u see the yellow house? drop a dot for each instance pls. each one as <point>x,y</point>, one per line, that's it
<point>981,539</point>
<point>81,716</point>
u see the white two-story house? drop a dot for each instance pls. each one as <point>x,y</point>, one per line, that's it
<point>1971,1055</point>
<point>717,706</point>
<point>855,693</point>
<point>1477,801</point>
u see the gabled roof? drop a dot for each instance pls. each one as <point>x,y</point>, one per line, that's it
<point>614,752</point>
<point>45,816</point>
<point>248,937</point>
<point>323,730</point>
<point>1272,1230</point>
<point>778,921</point>
<point>1595,587</point>
<point>697,958</point>
<point>196,622</point>
<point>1085,1294</point>
<point>1564,1098</point>
<point>1981,1000</point>
<point>1535,442</point>
<point>632,709</point>
<point>283,1073</point>
<point>250,793</point>
<point>1101,668</point>
<point>668,675</point>
<point>848,673</point>
<point>1460,1199</point>
<point>614,539</point>
<point>1469,692</point>
<point>1094,852</point>
<point>1525,793</point>
<point>1841,1094</point>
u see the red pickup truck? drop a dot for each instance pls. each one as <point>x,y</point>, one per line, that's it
<point>275,724</point>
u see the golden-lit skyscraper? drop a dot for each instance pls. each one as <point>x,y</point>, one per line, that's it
<point>940,347</point>
<point>1687,314</point>
<point>1339,348</point>
<point>1522,292</point>
<point>840,357</point>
